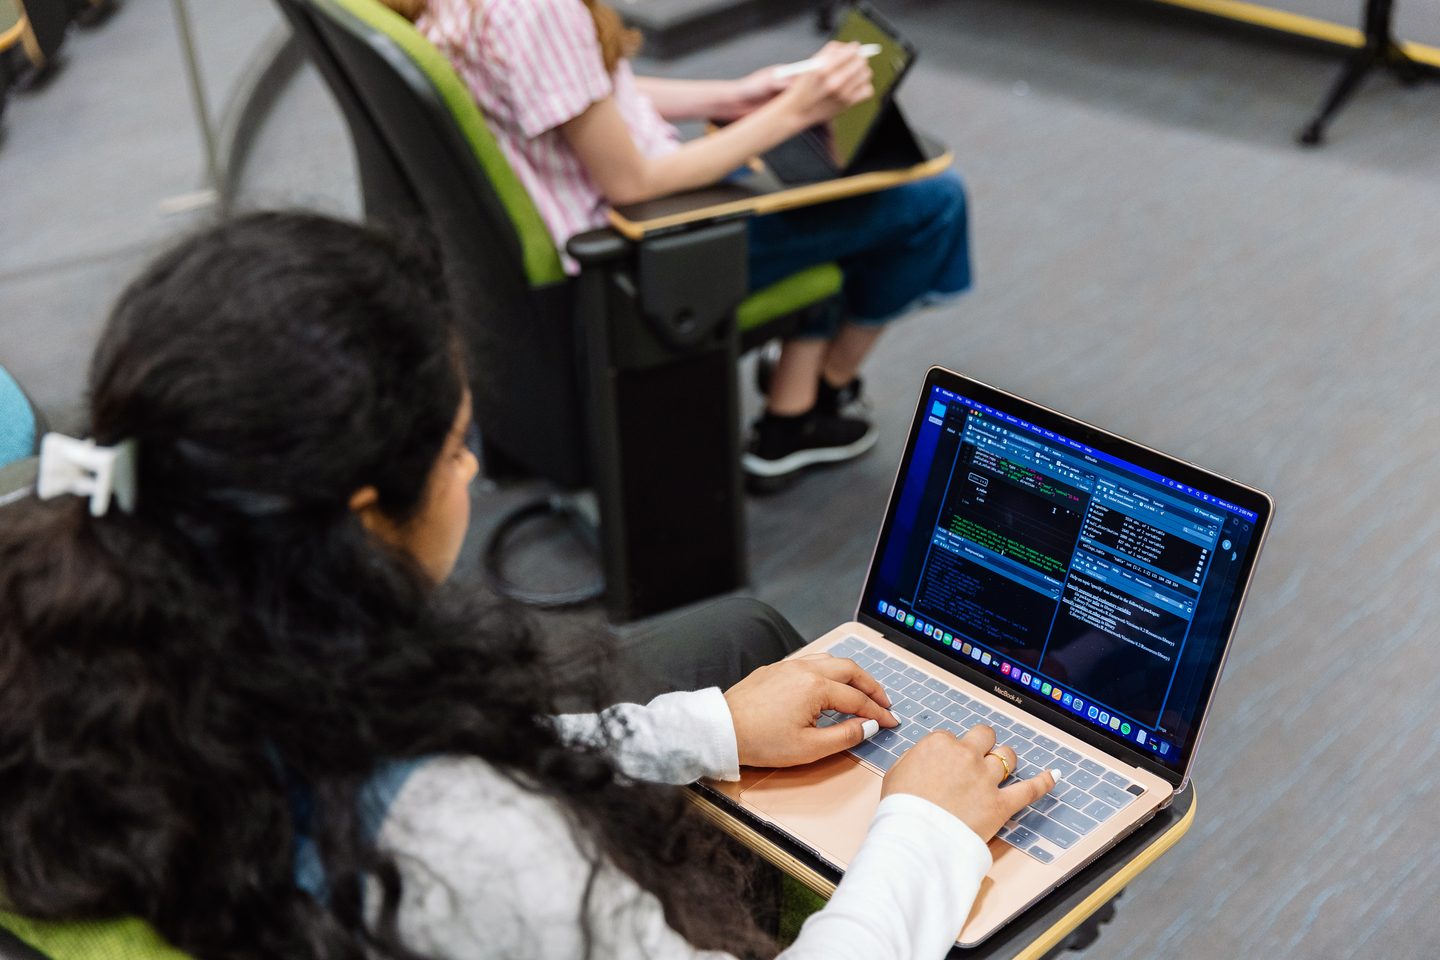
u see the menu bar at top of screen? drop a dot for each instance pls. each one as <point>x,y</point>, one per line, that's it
<point>952,397</point>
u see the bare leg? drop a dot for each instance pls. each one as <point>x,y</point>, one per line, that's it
<point>797,377</point>
<point>847,351</point>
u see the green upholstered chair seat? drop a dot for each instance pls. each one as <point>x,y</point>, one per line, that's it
<point>784,297</point>
<point>125,939</point>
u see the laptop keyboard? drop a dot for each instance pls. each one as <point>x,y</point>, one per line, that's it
<point>1087,795</point>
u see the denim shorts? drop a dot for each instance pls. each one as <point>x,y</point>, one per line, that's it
<point>901,248</point>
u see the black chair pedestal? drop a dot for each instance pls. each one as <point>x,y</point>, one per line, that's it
<point>662,404</point>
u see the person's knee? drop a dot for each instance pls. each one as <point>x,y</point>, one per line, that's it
<point>766,634</point>
<point>931,208</point>
<point>946,198</point>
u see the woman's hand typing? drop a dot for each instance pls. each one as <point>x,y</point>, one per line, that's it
<point>963,775</point>
<point>775,709</point>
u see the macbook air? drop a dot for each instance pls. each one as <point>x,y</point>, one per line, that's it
<point>1072,589</point>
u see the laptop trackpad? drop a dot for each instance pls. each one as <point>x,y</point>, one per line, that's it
<point>827,805</point>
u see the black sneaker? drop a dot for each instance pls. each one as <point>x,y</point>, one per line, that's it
<point>782,447</point>
<point>845,401</point>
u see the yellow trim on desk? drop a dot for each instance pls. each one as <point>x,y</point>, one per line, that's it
<point>1041,945</point>
<point>1300,25</point>
<point>776,855</point>
<point>8,38</point>
<point>788,199</point>
<point>31,44</point>
<point>1107,891</point>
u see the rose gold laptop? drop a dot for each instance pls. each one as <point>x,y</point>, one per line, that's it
<point>1070,588</point>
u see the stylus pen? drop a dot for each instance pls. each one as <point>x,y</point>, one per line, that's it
<point>867,51</point>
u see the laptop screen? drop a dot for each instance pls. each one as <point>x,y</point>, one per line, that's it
<point>1044,555</point>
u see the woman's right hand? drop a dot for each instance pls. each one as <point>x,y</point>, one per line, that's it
<point>962,775</point>
<point>841,80</point>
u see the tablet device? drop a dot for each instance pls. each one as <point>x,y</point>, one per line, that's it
<point>830,149</point>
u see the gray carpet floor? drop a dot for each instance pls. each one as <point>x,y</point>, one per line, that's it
<point>1153,255</point>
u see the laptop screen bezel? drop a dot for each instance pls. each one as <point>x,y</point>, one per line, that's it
<point>1114,445</point>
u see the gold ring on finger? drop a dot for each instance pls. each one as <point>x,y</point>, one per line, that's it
<point>1003,762</point>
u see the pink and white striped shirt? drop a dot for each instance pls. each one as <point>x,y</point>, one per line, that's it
<point>532,65</point>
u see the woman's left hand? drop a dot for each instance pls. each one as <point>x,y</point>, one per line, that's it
<point>775,709</point>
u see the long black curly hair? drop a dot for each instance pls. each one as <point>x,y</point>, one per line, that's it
<point>165,674</point>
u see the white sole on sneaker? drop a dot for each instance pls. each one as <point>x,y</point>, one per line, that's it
<point>800,459</point>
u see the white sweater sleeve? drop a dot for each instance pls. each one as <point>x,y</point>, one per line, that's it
<point>675,738</point>
<point>907,892</point>
<point>491,869</point>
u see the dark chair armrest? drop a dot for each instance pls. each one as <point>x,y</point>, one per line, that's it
<point>596,247</point>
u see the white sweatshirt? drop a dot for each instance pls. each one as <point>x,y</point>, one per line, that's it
<point>492,870</point>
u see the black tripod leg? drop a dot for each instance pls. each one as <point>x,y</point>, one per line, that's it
<point>1361,63</point>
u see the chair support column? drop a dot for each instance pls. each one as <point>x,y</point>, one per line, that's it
<point>660,349</point>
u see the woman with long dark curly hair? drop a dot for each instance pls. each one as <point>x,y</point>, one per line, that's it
<point>236,699</point>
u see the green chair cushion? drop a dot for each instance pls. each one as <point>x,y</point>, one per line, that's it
<point>797,903</point>
<point>795,292</point>
<point>126,939</point>
<point>542,260</point>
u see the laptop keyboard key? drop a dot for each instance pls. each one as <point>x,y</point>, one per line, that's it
<point>1040,853</point>
<point>1135,790</point>
<point>1038,755</point>
<point>1022,731</point>
<point>980,709</point>
<point>914,674</point>
<point>1068,816</point>
<point>877,755</point>
<point>1114,778</point>
<point>1046,803</point>
<point>927,719</point>
<point>1046,742</point>
<point>1100,810</point>
<point>958,697</point>
<point>1049,829</point>
<point>999,721</point>
<point>1065,753</point>
<point>936,702</point>
<point>1084,779</point>
<point>1116,798</point>
<point>905,708</point>
<point>956,712</point>
<point>887,738</point>
<point>911,731</point>
<point>1090,766</point>
<point>936,685</point>
<point>1020,837</point>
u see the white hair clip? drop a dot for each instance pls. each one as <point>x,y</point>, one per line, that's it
<point>79,467</point>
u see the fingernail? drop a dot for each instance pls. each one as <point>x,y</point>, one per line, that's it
<point>1055,775</point>
<point>869,728</point>
<point>892,717</point>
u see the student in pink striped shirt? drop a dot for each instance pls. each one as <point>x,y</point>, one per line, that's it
<point>583,132</point>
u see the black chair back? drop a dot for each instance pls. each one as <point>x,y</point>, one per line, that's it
<point>523,351</point>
